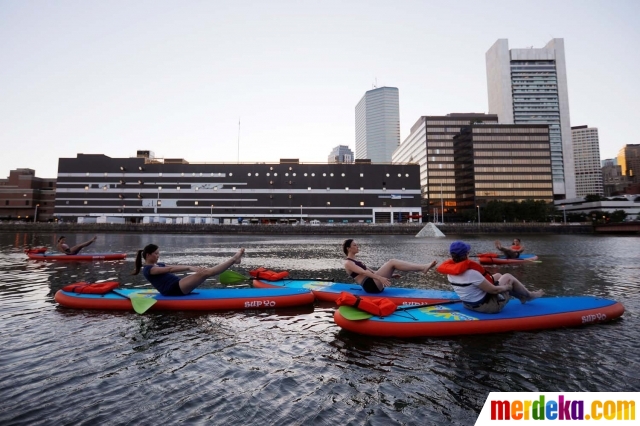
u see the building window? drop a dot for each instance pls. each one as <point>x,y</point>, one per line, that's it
<point>249,174</point>
<point>309,188</point>
<point>305,174</point>
<point>313,174</point>
<point>328,203</point>
<point>196,203</point>
<point>256,174</point>
<point>159,202</point>
<point>233,188</point>
<point>275,174</point>
<point>324,174</point>
<point>331,175</point>
<point>361,203</point>
<point>361,174</point>
<point>286,174</point>
<point>361,188</point>
<point>215,188</point>
<point>160,174</point>
<point>86,202</point>
<point>177,188</point>
<point>197,188</point>
<point>343,175</point>
<point>104,188</point>
<point>230,174</point>
<point>346,189</point>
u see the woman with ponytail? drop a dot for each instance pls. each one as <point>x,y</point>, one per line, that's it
<point>162,276</point>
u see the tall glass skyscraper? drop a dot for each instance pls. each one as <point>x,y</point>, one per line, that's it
<point>378,124</point>
<point>341,154</point>
<point>529,86</point>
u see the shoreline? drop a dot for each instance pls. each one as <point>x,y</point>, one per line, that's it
<point>349,229</point>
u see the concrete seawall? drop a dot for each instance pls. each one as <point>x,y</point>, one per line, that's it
<point>348,229</point>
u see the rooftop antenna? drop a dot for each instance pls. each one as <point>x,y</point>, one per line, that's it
<point>375,84</point>
<point>238,140</point>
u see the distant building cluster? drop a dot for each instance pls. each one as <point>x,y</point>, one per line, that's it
<point>524,148</point>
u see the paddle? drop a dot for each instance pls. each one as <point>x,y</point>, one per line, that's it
<point>355,314</point>
<point>232,277</point>
<point>141,303</point>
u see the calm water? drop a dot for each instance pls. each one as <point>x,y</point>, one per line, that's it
<point>295,366</point>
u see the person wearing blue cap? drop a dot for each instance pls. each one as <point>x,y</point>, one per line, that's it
<point>479,290</point>
<point>374,281</point>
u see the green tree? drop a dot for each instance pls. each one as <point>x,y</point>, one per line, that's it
<point>618,216</point>
<point>593,197</point>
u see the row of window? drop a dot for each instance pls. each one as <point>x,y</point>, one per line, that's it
<point>513,161</point>
<point>510,130</point>
<point>510,138</point>
<point>513,169</point>
<point>514,178</point>
<point>514,146</point>
<point>479,153</point>
<point>517,194</point>
<point>515,185</point>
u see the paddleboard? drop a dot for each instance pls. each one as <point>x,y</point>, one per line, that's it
<point>200,299</point>
<point>452,319</point>
<point>329,291</point>
<point>76,257</point>
<point>502,260</point>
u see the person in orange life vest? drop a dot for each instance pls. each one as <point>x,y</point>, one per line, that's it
<point>374,281</point>
<point>168,284</point>
<point>64,247</point>
<point>478,290</point>
<point>512,252</point>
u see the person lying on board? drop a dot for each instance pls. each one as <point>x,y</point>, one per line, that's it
<point>64,247</point>
<point>479,290</point>
<point>162,276</point>
<point>512,252</point>
<point>373,281</point>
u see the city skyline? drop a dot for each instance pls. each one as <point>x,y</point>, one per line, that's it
<point>192,80</point>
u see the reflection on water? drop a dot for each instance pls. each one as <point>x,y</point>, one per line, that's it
<point>294,366</point>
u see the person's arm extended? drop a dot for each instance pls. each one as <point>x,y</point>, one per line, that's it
<point>157,270</point>
<point>487,287</point>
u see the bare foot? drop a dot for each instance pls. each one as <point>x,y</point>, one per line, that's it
<point>532,295</point>
<point>429,266</point>
<point>94,238</point>
<point>238,256</point>
<point>498,245</point>
<point>396,276</point>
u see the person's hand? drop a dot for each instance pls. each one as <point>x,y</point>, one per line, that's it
<point>396,276</point>
<point>508,286</point>
<point>385,281</point>
<point>434,263</point>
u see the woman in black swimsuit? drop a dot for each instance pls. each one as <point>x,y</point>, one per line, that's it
<point>373,281</point>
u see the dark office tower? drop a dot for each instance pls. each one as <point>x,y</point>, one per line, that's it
<point>498,162</point>
<point>430,145</point>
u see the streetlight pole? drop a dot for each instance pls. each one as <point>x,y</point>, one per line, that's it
<point>211,213</point>
<point>441,202</point>
<point>35,216</point>
<point>300,214</point>
<point>478,215</point>
<point>564,213</point>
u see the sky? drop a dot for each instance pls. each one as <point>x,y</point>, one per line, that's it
<point>256,81</point>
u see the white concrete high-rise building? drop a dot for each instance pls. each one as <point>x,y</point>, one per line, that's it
<point>529,86</point>
<point>586,154</point>
<point>378,124</point>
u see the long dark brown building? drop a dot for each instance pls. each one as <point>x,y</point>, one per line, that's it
<point>25,197</point>
<point>146,189</point>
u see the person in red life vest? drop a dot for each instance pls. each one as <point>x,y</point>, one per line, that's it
<point>64,247</point>
<point>479,290</point>
<point>373,281</point>
<point>512,252</point>
<point>168,284</point>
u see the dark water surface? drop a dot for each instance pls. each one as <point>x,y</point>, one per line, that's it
<point>295,367</point>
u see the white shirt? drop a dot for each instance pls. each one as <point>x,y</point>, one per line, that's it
<point>470,293</point>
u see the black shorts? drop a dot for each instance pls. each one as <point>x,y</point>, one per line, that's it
<point>369,285</point>
<point>174,290</point>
